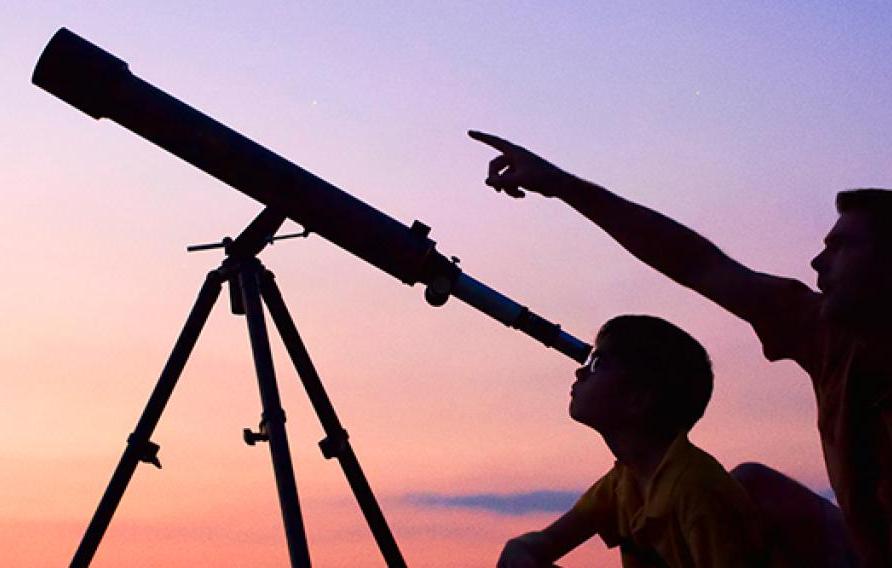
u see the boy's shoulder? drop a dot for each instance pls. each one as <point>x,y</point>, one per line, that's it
<point>688,484</point>
<point>703,486</point>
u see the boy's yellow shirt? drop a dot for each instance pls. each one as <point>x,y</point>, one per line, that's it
<point>692,513</point>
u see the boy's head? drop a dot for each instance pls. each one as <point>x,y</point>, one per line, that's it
<point>644,372</point>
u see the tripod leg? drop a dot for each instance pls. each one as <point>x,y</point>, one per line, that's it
<point>139,448</point>
<point>336,443</point>
<point>273,416</point>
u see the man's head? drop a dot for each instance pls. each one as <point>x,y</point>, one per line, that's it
<point>645,373</point>
<point>855,267</point>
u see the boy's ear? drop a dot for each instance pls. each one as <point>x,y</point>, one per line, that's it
<point>642,403</point>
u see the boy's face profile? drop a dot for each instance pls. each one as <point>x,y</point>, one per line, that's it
<point>602,396</point>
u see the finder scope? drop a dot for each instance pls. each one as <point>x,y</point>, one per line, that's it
<point>101,85</point>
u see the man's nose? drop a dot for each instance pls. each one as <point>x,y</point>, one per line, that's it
<point>581,372</point>
<point>818,263</point>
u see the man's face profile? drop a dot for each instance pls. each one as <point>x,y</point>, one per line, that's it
<point>853,273</point>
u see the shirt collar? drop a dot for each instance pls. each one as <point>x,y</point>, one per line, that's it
<point>660,490</point>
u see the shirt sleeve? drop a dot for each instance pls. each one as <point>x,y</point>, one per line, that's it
<point>786,322</point>
<point>599,507</point>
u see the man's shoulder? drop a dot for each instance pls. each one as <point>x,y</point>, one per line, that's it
<point>785,317</point>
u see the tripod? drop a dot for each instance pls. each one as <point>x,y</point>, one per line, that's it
<point>250,285</point>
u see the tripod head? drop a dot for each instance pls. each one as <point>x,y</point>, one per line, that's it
<point>255,237</point>
<point>227,241</point>
<point>245,247</point>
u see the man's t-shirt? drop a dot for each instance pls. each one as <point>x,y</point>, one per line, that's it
<point>692,513</point>
<point>852,380</point>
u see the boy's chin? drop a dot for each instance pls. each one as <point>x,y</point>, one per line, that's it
<point>575,414</point>
<point>584,420</point>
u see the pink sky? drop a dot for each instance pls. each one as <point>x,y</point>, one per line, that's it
<point>739,120</point>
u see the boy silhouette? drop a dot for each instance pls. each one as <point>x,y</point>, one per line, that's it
<point>665,502</point>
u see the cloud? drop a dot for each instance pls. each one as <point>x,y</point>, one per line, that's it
<point>827,493</point>
<point>511,504</point>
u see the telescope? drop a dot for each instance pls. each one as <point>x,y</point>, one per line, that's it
<point>101,85</point>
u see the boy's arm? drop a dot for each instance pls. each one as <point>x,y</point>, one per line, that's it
<point>669,247</point>
<point>542,548</point>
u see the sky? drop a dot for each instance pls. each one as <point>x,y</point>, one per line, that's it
<point>741,120</point>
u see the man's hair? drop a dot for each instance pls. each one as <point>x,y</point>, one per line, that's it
<point>665,361</point>
<point>876,203</point>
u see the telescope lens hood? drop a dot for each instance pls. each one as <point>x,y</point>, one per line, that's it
<point>79,73</point>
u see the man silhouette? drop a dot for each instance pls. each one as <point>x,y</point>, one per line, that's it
<point>841,336</point>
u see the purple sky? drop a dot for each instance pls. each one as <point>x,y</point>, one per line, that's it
<point>739,119</point>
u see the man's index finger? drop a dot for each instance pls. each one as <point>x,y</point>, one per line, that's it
<point>491,140</point>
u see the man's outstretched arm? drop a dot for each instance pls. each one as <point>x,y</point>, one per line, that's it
<point>673,249</point>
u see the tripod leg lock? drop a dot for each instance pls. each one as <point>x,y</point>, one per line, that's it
<point>261,435</point>
<point>147,450</point>
<point>335,445</point>
<point>252,438</point>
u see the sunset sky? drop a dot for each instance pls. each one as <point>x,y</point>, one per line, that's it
<point>741,120</point>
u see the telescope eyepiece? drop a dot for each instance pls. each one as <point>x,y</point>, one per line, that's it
<point>78,72</point>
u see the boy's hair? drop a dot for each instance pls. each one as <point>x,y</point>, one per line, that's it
<point>876,203</point>
<point>665,361</point>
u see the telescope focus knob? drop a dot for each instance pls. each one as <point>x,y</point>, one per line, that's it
<point>437,292</point>
<point>440,288</point>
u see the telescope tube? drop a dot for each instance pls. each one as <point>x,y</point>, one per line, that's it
<point>101,85</point>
